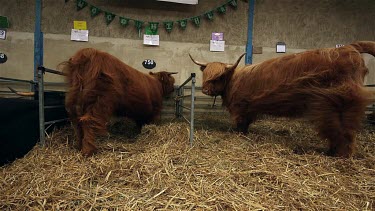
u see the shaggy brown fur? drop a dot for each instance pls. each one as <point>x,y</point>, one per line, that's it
<point>322,85</point>
<point>100,86</point>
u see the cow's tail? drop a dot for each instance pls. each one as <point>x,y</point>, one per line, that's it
<point>365,47</point>
<point>81,75</point>
<point>89,82</point>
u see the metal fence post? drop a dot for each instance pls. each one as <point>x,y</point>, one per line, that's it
<point>176,103</point>
<point>182,94</point>
<point>192,109</point>
<point>41,104</point>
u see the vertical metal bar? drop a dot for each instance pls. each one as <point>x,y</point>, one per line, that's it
<point>177,103</point>
<point>249,46</point>
<point>181,102</point>
<point>192,109</point>
<point>38,40</point>
<point>41,105</point>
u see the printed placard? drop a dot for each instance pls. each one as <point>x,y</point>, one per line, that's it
<point>182,1</point>
<point>82,25</point>
<point>150,39</point>
<point>3,34</point>
<point>217,36</point>
<point>79,35</point>
<point>217,45</point>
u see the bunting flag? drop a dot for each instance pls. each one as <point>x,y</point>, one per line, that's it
<point>233,3</point>
<point>168,25</point>
<point>81,4</point>
<point>4,22</point>
<point>153,26</point>
<point>109,17</point>
<point>183,23</point>
<point>222,9</point>
<point>94,11</point>
<point>209,15</point>
<point>196,20</point>
<point>124,21</point>
<point>138,24</point>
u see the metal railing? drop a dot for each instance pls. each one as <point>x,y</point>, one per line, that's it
<point>180,95</point>
<point>42,123</point>
<point>5,79</point>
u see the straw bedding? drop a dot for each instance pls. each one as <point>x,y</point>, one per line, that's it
<point>280,165</point>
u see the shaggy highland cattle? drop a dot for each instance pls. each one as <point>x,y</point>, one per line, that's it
<point>323,85</point>
<point>102,86</point>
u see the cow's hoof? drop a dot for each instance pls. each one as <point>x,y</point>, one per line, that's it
<point>89,150</point>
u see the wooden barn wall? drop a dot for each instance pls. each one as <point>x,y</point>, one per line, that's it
<point>301,24</point>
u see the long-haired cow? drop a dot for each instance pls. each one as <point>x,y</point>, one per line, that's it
<point>322,85</point>
<point>101,86</point>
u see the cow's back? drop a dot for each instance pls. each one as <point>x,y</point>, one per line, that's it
<point>283,86</point>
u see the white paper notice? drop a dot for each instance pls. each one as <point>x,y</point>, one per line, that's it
<point>217,45</point>
<point>150,39</point>
<point>79,35</point>
<point>280,49</point>
<point>3,34</point>
<point>182,1</point>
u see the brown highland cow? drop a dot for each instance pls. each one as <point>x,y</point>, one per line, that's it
<point>323,85</point>
<point>101,86</point>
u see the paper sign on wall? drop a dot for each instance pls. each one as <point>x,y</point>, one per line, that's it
<point>217,45</point>
<point>182,1</point>
<point>217,36</point>
<point>79,35</point>
<point>3,34</point>
<point>82,25</point>
<point>150,39</point>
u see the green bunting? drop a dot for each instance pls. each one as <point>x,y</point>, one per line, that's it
<point>196,20</point>
<point>233,3</point>
<point>81,4</point>
<point>4,23</point>
<point>168,25</point>
<point>109,17</point>
<point>183,23</point>
<point>94,11</point>
<point>148,31</point>
<point>124,21</point>
<point>153,26</point>
<point>209,15</point>
<point>138,24</point>
<point>222,9</point>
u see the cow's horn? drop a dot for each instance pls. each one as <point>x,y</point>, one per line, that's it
<point>198,63</point>
<point>230,66</point>
<point>172,73</point>
<point>21,93</point>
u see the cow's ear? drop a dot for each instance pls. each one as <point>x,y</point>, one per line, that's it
<point>229,70</point>
<point>157,75</point>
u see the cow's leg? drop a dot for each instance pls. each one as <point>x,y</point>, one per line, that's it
<point>242,123</point>
<point>73,106</point>
<point>88,141</point>
<point>341,138</point>
<point>78,132</point>
<point>339,121</point>
<point>351,120</point>
<point>94,122</point>
<point>139,126</point>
